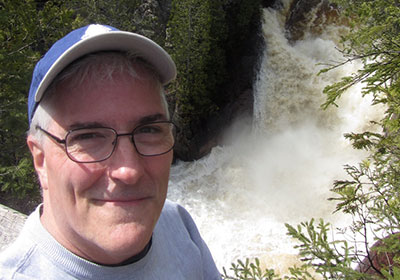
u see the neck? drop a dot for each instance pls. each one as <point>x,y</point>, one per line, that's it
<point>134,258</point>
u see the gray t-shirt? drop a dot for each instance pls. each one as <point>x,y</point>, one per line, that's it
<point>177,252</point>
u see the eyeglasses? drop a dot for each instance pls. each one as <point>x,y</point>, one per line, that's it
<point>95,144</point>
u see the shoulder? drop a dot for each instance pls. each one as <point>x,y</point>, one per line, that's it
<point>18,255</point>
<point>177,226</point>
<point>177,232</point>
<point>14,258</point>
<point>175,214</point>
<point>173,208</point>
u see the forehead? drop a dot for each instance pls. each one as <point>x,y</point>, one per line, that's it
<point>117,102</point>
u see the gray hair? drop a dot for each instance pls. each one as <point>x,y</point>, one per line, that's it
<point>98,68</point>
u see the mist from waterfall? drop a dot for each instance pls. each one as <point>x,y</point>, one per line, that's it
<point>242,193</point>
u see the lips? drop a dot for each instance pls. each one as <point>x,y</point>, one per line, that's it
<point>122,200</point>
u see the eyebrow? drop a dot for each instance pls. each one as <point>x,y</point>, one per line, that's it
<point>152,118</point>
<point>142,120</point>
<point>84,125</point>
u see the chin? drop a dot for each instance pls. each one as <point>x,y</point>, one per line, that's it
<point>123,243</point>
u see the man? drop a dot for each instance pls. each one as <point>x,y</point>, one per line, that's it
<point>101,142</point>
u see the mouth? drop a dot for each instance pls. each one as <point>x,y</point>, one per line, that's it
<point>121,201</point>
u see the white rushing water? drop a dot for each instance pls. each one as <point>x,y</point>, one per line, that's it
<point>242,193</point>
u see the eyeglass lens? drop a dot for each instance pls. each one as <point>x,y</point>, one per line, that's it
<point>97,144</point>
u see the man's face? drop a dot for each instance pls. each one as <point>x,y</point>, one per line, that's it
<point>105,211</point>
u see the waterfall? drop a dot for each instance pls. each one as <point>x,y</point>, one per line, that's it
<point>242,193</point>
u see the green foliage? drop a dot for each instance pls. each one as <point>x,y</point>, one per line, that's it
<point>249,270</point>
<point>243,16</point>
<point>196,31</point>
<point>331,259</point>
<point>374,39</point>
<point>26,31</point>
<point>130,15</point>
<point>393,275</point>
<point>18,180</point>
<point>201,36</point>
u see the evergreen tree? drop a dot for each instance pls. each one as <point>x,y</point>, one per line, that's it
<point>196,32</point>
<point>27,30</point>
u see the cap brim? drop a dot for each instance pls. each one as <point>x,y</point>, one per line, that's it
<point>115,40</point>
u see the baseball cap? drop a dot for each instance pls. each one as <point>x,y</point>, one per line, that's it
<point>89,39</point>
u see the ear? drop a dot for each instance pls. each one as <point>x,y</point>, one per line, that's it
<point>38,156</point>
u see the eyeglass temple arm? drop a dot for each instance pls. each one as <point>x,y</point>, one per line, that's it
<point>58,140</point>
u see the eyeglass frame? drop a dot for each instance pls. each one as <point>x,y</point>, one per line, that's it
<point>64,141</point>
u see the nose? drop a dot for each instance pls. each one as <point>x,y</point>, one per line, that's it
<point>125,165</point>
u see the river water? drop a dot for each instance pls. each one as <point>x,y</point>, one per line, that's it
<point>243,192</point>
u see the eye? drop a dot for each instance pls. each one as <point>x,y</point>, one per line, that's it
<point>149,129</point>
<point>88,136</point>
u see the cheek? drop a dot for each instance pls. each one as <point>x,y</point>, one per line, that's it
<point>84,180</point>
<point>70,179</point>
<point>159,168</point>
<point>55,161</point>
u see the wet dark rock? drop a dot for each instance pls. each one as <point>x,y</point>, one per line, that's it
<point>309,16</point>
<point>378,260</point>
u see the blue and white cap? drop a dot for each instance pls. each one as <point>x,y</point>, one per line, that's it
<point>90,39</point>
